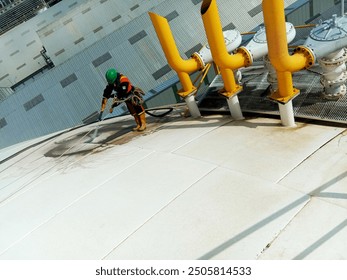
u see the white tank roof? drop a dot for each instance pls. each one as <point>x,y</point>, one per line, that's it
<point>213,187</point>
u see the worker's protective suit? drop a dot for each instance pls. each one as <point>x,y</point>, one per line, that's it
<point>124,92</point>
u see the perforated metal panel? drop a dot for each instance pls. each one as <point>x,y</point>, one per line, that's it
<point>309,104</point>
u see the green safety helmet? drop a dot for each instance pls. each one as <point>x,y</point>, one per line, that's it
<point>111,76</point>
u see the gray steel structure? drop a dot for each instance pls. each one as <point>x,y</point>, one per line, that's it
<point>70,93</point>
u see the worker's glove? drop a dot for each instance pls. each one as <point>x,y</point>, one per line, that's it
<point>100,116</point>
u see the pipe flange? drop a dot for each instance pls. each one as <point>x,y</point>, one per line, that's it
<point>199,60</point>
<point>336,60</point>
<point>341,91</point>
<point>279,98</point>
<point>247,55</point>
<point>223,92</point>
<point>309,55</point>
<point>341,80</point>
<point>188,93</point>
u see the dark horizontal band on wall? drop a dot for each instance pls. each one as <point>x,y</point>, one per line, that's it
<point>161,72</point>
<point>137,37</point>
<point>256,10</point>
<point>101,59</point>
<point>196,2</point>
<point>3,122</point>
<point>68,80</point>
<point>194,49</point>
<point>172,15</point>
<point>33,102</point>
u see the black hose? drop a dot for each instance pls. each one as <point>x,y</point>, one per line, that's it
<point>169,110</point>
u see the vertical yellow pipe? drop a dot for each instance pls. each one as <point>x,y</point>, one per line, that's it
<point>286,91</point>
<point>230,86</point>
<point>186,82</point>
<point>226,62</point>
<point>181,66</point>
<point>285,64</point>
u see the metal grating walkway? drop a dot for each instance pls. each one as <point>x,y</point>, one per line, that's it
<point>309,104</point>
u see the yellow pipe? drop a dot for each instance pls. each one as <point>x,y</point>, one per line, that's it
<point>176,62</point>
<point>274,20</point>
<point>286,91</point>
<point>226,62</point>
<point>285,64</point>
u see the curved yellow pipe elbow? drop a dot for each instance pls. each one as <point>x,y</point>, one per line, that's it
<point>215,37</point>
<point>168,44</point>
<point>274,19</point>
<point>225,61</point>
<point>285,64</point>
<point>181,66</point>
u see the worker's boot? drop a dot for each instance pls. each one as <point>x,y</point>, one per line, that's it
<point>138,122</point>
<point>142,117</point>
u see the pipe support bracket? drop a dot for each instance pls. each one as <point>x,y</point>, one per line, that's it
<point>237,89</point>
<point>276,97</point>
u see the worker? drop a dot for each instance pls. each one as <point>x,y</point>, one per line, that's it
<point>125,92</point>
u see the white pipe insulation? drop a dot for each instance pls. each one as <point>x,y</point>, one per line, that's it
<point>257,47</point>
<point>232,40</point>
